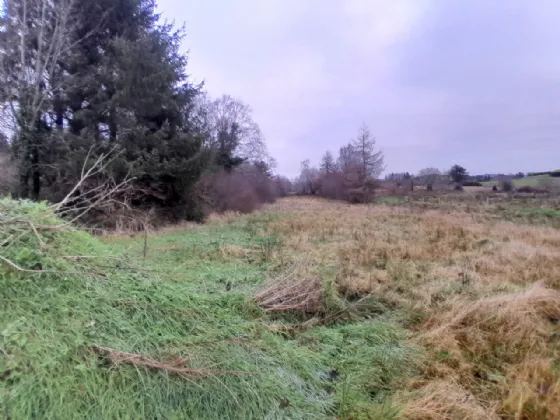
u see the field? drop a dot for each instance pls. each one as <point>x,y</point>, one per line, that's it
<point>415,307</point>
<point>539,181</point>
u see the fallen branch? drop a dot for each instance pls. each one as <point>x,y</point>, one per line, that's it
<point>57,272</point>
<point>176,366</point>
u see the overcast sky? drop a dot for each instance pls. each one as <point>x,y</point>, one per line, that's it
<point>473,82</point>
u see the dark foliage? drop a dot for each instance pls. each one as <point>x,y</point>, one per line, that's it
<point>458,174</point>
<point>506,185</point>
<point>538,173</point>
<point>121,87</point>
<point>532,190</point>
<point>472,184</point>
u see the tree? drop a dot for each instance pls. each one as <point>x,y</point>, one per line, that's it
<point>35,37</point>
<point>308,178</point>
<point>458,174</point>
<point>328,165</point>
<point>369,159</point>
<point>429,176</point>
<point>233,134</point>
<point>346,158</point>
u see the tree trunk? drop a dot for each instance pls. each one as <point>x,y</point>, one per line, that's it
<point>24,182</point>
<point>36,173</point>
<point>112,125</point>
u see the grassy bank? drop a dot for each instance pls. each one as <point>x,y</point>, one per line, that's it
<point>123,328</point>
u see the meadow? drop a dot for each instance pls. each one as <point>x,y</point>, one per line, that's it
<point>422,307</point>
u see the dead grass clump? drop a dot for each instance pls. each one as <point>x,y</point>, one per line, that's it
<point>444,400</point>
<point>292,291</point>
<point>507,328</point>
<point>533,391</point>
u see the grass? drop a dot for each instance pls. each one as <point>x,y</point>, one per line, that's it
<point>442,307</point>
<point>538,181</point>
<point>477,293</point>
<point>176,335</point>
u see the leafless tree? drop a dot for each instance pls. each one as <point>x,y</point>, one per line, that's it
<point>328,164</point>
<point>369,159</point>
<point>35,35</point>
<point>346,158</point>
<point>231,116</point>
<point>429,176</point>
<point>308,180</point>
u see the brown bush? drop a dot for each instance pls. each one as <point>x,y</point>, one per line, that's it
<point>243,190</point>
<point>532,190</point>
<point>347,185</point>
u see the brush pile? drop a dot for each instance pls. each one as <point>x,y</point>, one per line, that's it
<point>292,291</point>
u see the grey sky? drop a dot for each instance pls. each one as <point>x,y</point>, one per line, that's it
<point>474,82</point>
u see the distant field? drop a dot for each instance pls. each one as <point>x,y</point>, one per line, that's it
<point>531,181</point>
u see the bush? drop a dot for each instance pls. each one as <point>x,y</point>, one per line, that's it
<point>472,184</point>
<point>243,190</point>
<point>532,190</point>
<point>506,185</point>
<point>347,185</point>
<point>458,187</point>
<point>555,173</point>
<point>494,188</point>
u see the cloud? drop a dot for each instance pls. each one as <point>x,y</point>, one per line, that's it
<point>439,82</point>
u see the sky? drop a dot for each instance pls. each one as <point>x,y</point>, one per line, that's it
<point>439,82</point>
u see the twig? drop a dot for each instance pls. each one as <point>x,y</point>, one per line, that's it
<point>31,271</point>
<point>26,270</point>
<point>177,366</point>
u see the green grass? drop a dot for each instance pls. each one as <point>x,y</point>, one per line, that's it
<point>538,181</point>
<point>189,299</point>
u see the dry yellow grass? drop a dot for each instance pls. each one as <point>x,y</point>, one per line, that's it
<point>483,295</point>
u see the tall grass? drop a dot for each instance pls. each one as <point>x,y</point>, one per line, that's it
<point>479,295</point>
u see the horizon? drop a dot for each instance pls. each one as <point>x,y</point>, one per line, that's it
<point>439,83</point>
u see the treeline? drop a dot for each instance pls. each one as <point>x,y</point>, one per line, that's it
<point>351,176</point>
<point>96,94</point>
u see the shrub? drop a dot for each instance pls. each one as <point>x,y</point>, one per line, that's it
<point>506,185</point>
<point>555,173</point>
<point>532,190</point>
<point>458,187</point>
<point>494,188</point>
<point>243,190</point>
<point>472,184</point>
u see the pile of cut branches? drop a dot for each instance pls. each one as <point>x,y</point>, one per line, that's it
<point>292,291</point>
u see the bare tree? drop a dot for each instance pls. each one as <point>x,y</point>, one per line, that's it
<point>229,119</point>
<point>429,176</point>
<point>346,158</point>
<point>369,159</point>
<point>35,36</point>
<point>328,165</point>
<point>308,178</point>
